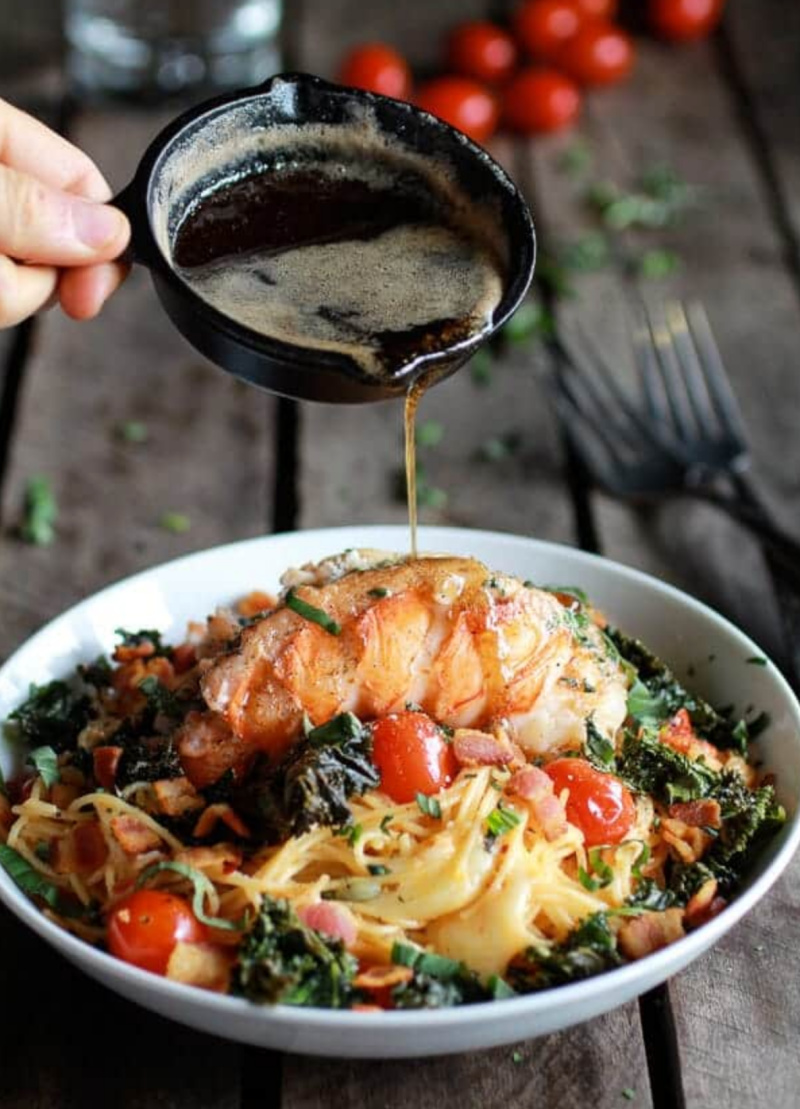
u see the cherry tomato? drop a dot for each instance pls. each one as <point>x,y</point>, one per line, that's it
<point>599,804</point>
<point>463,104</point>
<point>377,68</point>
<point>482,50</point>
<point>598,9</point>
<point>683,20</point>
<point>540,100</point>
<point>144,928</point>
<point>600,54</point>
<point>412,755</point>
<point>544,27</point>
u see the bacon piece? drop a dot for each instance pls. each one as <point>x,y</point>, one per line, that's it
<point>200,964</point>
<point>106,761</point>
<point>688,843</point>
<point>382,978</point>
<point>474,748</point>
<point>678,733</point>
<point>535,788</point>
<point>222,857</point>
<point>209,819</point>
<point>642,935</point>
<point>176,796</point>
<point>704,904</point>
<point>133,836</point>
<point>330,919</point>
<point>82,851</point>
<point>208,749</point>
<point>184,657</point>
<point>6,815</point>
<point>62,794</point>
<point>127,678</point>
<point>697,814</point>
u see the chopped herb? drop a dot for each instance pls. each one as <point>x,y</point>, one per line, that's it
<point>176,522</point>
<point>655,264</point>
<point>502,820</point>
<point>516,1057</point>
<point>480,368</point>
<point>576,159</point>
<point>378,592</point>
<point>282,960</point>
<point>530,319</point>
<point>353,889</point>
<point>143,637</point>
<point>757,725</point>
<point>309,612</point>
<point>430,806</point>
<point>437,982</point>
<point>352,833</point>
<point>597,749</point>
<point>378,869</point>
<point>46,762</point>
<point>52,716</point>
<point>628,1093</point>
<point>97,673</point>
<point>163,700</point>
<point>40,513</point>
<point>337,732</point>
<point>203,887</point>
<point>429,434</point>
<point>587,254</point>
<point>588,950</point>
<point>757,660</point>
<point>34,884</point>
<point>42,851</point>
<point>500,447</point>
<point>386,821</point>
<point>605,874</point>
<point>132,431</point>
<point>429,496</point>
<point>567,590</point>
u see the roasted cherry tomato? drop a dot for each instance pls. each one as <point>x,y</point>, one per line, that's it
<point>482,50</point>
<point>598,9</point>
<point>377,68</point>
<point>683,20</point>
<point>544,27</point>
<point>600,54</point>
<point>144,928</point>
<point>539,100</point>
<point>412,755</point>
<point>599,804</point>
<point>462,103</point>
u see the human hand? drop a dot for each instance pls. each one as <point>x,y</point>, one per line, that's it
<point>57,236</point>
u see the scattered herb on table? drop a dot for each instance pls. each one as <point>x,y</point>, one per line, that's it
<point>429,434</point>
<point>39,514</point>
<point>176,522</point>
<point>131,431</point>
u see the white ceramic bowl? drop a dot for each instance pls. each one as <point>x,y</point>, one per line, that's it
<point>683,631</point>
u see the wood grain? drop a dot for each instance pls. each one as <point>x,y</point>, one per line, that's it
<point>207,455</point>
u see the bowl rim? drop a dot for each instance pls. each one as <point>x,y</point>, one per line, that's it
<point>656,967</point>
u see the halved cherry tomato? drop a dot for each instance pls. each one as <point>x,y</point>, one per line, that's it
<point>482,50</point>
<point>600,54</point>
<point>544,27</point>
<point>377,68</point>
<point>683,20</point>
<point>598,9</point>
<point>463,103</point>
<point>599,804</point>
<point>539,100</point>
<point>412,755</point>
<point>144,928</point>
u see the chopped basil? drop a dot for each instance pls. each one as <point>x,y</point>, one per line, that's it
<point>502,820</point>
<point>352,833</point>
<point>386,821</point>
<point>605,874</point>
<point>202,888</point>
<point>309,612</point>
<point>757,660</point>
<point>34,884</point>
<point>46,762</point>
<point>378,869</point>
<point>378,592</point>
<point>430,806</point>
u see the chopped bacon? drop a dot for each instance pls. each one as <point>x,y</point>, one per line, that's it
<point>642,935</point>
<point>127,678</point>
<point>382,977</point>
<point>106,761</point>
<point>474,748</point>
<point>697,814</point>
<point>62,794</point>
<point>704,904</point>
<point>687,842</point>
<point>200,964</point>
<point>208,749</point>
<point>127,653</point>
<point>678,733</point>
<point>184,657</point>
<point>209,819</point>
<point>536,790</point>
<point>330,919</point>
<point>82,851</point>
<point>133,836</point>
<point>6,815</point>
<point>176,796</point>
<point>364,1008</point>
<point>221,857</point>
<point>255,603</point>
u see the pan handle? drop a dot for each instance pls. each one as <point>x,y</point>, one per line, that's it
<point>141,248</point>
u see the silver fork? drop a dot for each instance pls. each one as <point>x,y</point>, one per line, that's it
<point>684,436</point>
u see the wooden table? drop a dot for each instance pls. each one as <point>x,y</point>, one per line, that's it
<point>726,116</point>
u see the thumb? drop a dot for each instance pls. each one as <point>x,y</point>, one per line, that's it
<point>48,226</point>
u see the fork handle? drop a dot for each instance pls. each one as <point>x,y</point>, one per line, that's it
<point>745,506</point>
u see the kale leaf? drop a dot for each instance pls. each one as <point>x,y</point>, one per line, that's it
<point>658,695</point>
<point>52,716</point>
<point>281,961</point>
<point>439,982</point>
<point>142,637</point>
<point>590,949</point>
<point>649,766</point>
<point>311,786</point>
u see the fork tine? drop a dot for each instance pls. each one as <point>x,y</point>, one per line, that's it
<point>671,377</point>
<point>647,364</point>
<point>694,379</point>
<point>714,375</point>
<point>573,390</point>
<point>596,400</point>
<point>572,420</point>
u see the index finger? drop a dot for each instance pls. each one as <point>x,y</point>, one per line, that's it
<point>28,145</point>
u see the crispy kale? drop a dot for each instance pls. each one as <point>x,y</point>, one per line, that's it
<point>281,961</point>
<point>142,637</point>
<point>588,950</point>
<point>145,758</point>
<point>440,982</point>
<point>311,786</point>
<point>650,766</point>
<point>658,695</point>
<point>52,716</point>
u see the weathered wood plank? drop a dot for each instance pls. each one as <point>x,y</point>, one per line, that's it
<point>208,456</point>
<point>735,1022</point>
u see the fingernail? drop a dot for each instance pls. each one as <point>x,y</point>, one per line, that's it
<point>96,224</point>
